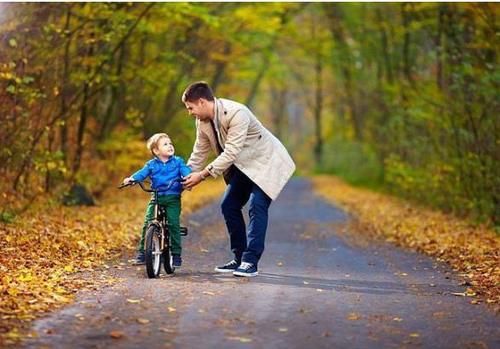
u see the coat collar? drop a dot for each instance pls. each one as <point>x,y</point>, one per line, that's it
<point>219,112</point>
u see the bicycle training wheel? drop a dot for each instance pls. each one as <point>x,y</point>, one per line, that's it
<point>153,251</point>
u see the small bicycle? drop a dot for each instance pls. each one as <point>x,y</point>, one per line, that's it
<point>158,243</point>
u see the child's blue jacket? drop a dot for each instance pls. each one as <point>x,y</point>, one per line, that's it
<point>161,173</point>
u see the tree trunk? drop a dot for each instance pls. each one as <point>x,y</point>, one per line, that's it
<point>318,100</point>
<point>83,120</point>
<point>334,14</point>
<point>63,130</point>
<point>385,47</point>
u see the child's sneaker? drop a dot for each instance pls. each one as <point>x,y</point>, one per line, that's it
<point>140,258</point>
<point>176,260</point>
<point>246,270</point>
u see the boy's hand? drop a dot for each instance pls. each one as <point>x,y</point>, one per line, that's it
<point>191,180</point>
<point>128,180</point>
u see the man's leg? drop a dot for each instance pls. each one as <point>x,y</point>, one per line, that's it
<point>236,196</point>
<point>257,227</point>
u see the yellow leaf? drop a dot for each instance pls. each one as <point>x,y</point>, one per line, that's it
<point>353,316</point>
<point>130,300</point>
<point>143,321</point>
<point>116,334</point>
<point>240,339</point>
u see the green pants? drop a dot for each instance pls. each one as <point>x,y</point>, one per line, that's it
<point>172,204</point>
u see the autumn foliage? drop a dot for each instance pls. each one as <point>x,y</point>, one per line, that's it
<point>46,252</point>
<point>470,249</point>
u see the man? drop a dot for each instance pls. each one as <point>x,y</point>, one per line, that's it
<point>255,165</point>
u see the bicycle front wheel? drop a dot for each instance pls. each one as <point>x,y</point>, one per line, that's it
<point>153,251</point>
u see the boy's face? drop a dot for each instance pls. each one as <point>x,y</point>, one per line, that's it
<point>200,109</point>
<point>165,148</point>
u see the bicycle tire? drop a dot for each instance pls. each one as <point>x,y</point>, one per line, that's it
<point>167,256</point>
<point>152,251</point>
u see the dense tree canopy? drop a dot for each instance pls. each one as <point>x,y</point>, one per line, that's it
<point>399,95</point>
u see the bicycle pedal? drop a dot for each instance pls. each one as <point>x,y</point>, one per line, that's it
<point>184,231</point>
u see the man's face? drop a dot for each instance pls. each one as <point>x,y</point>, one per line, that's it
<point>200,109</point>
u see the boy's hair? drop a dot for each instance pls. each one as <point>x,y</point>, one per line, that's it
<point>154,140</point>
<point>197,90</point>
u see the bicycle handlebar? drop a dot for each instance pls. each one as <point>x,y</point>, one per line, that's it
<point>160,188</point>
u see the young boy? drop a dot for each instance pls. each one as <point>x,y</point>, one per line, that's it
<point>162,169</point>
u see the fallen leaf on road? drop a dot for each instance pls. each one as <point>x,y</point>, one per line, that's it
<point>398,319</point>
<point>461,294</point>
<point>143,321</point>
<point>240,339</point>
<point>209,293</point>
<point>414,335</point>
<point>116,334</point>
<point>279,264</point>
<point>129,300</point>
<point>283,329</point>
<point>353,316</point>
<point>470,293</point>
<point>306,283</point>
<point>171,309</point>
<point>194,223</point>
<point>167,330</point>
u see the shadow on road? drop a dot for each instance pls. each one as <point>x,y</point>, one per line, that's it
<point>339,285</point>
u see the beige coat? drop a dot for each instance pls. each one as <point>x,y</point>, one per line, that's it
<point>246,143</point>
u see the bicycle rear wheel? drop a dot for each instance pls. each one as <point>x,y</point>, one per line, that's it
<point>153,251</point>
<point>167,256</point>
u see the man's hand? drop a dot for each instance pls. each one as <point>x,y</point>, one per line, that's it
<point>191,180</point>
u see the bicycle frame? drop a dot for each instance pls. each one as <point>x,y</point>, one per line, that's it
<point>158,234</point>
<point>160,216</point>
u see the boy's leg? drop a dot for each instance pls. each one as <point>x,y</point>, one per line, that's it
<point>148,217</point>
<point>172,204</point>
<point>236,196</point>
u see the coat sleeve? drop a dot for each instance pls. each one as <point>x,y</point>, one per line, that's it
<point>237,133</point>
<point>201,149</point>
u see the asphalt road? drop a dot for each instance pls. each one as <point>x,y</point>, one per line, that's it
<point>319,287</point>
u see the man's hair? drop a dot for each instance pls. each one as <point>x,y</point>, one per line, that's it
<point>197,90</point>
<point>154,140</point>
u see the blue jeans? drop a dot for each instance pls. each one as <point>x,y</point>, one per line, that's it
<point>246,247</point>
